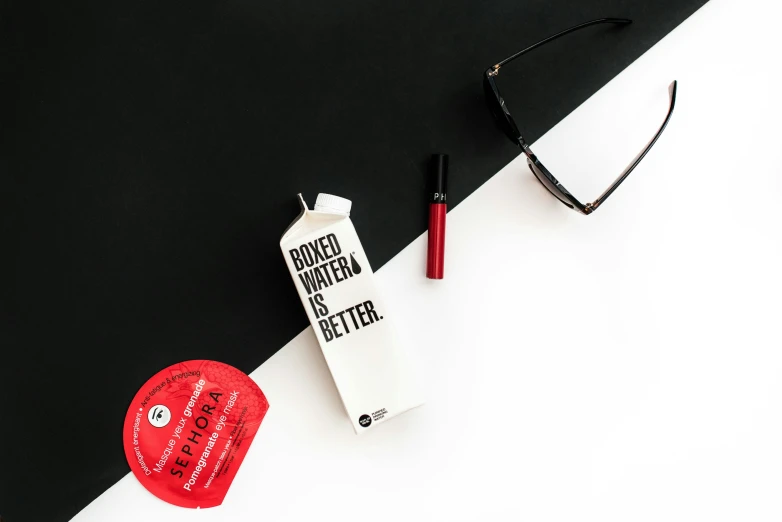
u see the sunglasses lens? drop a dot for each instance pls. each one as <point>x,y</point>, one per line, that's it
<point>500,118</point>
<point>549,183</point>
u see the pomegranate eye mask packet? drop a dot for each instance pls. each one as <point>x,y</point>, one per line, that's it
<point>188,429</point>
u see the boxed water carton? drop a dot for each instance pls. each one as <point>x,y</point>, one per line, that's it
<point>373,372</point>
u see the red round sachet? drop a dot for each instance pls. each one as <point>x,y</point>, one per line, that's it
<point>189,428</point>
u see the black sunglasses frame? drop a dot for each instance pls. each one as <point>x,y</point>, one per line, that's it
<point>507,124</point>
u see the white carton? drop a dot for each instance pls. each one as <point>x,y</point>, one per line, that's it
<point>373,373</point>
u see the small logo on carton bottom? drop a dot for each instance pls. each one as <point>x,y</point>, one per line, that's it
<point>365,421</point>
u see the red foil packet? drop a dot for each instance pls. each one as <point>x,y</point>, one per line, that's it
<point>189,428</point>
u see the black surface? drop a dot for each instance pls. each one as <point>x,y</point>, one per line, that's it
<point>149,161</point>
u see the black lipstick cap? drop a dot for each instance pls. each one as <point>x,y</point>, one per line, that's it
<point>439,179</point>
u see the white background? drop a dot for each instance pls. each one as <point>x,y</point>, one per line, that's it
<point>619,366</point>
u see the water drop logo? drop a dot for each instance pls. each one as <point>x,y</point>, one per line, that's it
<point>354,265</point>
<point>159,416</point>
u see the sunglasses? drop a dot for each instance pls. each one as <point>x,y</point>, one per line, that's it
<point>507,124</point>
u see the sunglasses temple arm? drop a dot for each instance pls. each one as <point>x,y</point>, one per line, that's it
<point>640,156</point>
<point>619,21</point>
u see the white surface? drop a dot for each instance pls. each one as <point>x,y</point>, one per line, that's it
<point>619,366</point>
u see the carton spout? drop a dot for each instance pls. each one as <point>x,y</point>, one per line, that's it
<point>333,204</point>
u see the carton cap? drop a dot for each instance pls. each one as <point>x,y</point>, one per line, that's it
<point>332,204</point>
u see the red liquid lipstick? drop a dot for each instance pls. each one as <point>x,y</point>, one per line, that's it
<point>438,187</point>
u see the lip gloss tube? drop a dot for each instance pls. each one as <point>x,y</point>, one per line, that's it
<point>438,207</point>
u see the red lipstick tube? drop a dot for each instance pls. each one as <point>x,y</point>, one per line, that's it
<point>438,188</point>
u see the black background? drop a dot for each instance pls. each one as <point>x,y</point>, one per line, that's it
<point>151,153</point>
